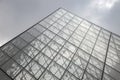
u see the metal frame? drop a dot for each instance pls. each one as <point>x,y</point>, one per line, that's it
<point>62,46</point>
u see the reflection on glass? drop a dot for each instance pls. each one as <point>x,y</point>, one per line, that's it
<point>112,72</point>
<point>35,69</point>
<point>69,76</point>
<point>27,37</point>
<point>75,70</point>
<point>62,47</point>
<point>43,60</point>
<point>10,49</point>
<point>48,76</point>
<point>22,58</point>
<point>56,69</point>
<point>11,68</point>
<point>31,51</point>
<point>24,75</point>
<point>3,57</point>
<point>62,61</point>
<point>3,76</point>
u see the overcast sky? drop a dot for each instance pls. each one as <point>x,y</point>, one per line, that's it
<point>18,15</point>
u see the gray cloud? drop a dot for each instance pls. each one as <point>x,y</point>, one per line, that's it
<point>18,15</point>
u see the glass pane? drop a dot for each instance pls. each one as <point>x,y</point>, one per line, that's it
<point>18,42</point>
<point>54,29</point>
<point>56,69</point>
<point>54,45</point>
<point>57,15</point>
<point>49,34</point>
<point>35,69</point>
<point>63,35</point>
<point>87,76</point>
<point>22,59</point>
<point>79,61</point>
<point>11,68</point>
<point>104,35</point>
<point>48,20</point>
<point>27,37</point>
<point>34,32</point>
<point>90,38</point>
<point>24,75</point>
<point>82,30</point>
<point>113,64</point>
<point>53,18</point>
<point>68,17</point>
<point>37,44</point>
<point>94,71</point>
<point>75,70</point>
<point>70,47</point>
<point>43,38</point>
<point>45,24</point>
<point>64,19</point>
<point>113,73</point>
<point>98,55</point>
<point>86,48</point>
<point>3,76</point>
<point>92,34</point>
<point>69,76</point>
<point>66,53</point>
<point>48,76</point>
<point>61,22</point>
<point>43,60</point>
<point>74,41</point>
<point>49,52</point>
<point>76,20</point>
<point>107,77</point>
<point>3,57</point>
<point>31,51</point>
<point>67,31</point>
<point>58,26</point>
<point>96,63</point>
<point>85,24</point>
<point>102,44</point>
<point>83,54</point>
<point>88,43</point>
<point>100,50</point>
<point>39,28</point>
<point>10,49</point>
<point>77,37</point>
<point>73,23</point>
<point>61,61</point>
<point>70,27</point>
<point>59,40</point>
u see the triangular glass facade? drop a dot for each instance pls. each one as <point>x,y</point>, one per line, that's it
<point>62,46</point>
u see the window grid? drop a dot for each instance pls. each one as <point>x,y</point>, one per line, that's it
<point>62,46</point>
